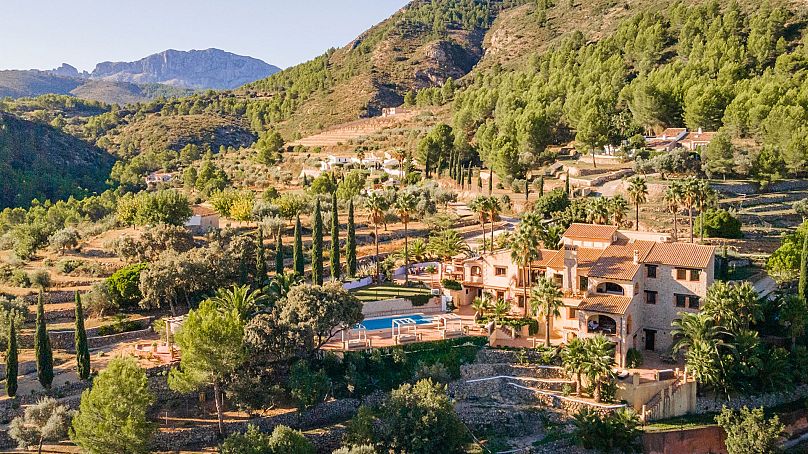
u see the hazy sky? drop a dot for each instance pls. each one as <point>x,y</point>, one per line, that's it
<point>42,34</point>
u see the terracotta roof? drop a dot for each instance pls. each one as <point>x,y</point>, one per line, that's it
<point>586,257</point>
<point>699,137</point>
<point>684,255</point>
<point>672,132</point>
<point>610,304</point>
<point>590,231</point>
<point>544,257</point>
<point>617,261</point>
<point>203,211</point>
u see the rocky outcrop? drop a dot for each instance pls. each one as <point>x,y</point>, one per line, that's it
<point>198,69</point>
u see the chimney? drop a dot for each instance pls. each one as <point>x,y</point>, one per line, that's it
<point>636,257</point>
<point>699,130</point>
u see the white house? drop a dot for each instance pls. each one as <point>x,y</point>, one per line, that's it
<point>202,220</point>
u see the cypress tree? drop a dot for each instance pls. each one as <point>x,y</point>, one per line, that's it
<point>279,253</point>
<point>468,177</point>
<point>479,182</point>
<point>350,242</point>
<point>261,265</point>
<point>12,364</point>
<point>426,165</point>
<point>541,186</point>
<point>42,348</point>
<point>335,264</point>
<point>803,284</point>
<point>297,253</point>
<point>82,349</point>
<point>317,246</point>
<point>490,181</point>
<point>567,183</point>
<point>527,189</point>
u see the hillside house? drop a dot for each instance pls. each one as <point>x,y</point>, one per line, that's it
<point>332,162</point>
<point>392,111</point>
<point>626,285</point>
<point>157,177</point>
<point>672,138</point>
<point>202,220</point>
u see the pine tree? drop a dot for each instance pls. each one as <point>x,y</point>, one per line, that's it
<point>350,242</point>
<point>317,245</point>
<point>12,365</point>
<point>803,284</point>
<point>279,254</point>
<point>297,253</point>
<point>335,264</point>
<point>261,265</point>
<point>82,349</point>
<point>42,348</point>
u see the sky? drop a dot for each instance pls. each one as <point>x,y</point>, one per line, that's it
<point>43,34</point>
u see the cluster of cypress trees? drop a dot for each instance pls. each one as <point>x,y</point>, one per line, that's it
<point>335,263</point>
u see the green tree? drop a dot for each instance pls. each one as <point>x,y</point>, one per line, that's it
<point>350,242</point>
<point>124,285</point>
<point>212,349</point>
<point>615,432</point>
<point>82,348</point>
<point>279,252</point>
<point>336,266</point>
<point>733,307</point>
<point>637,194</point>
<point>42,347</point>
<point>673,198</point>
<point>599,364</point>
<point>416,419</point>
<point>701,338</point>
<point>593,128</point>
<point>297,252</point>
<point>794,316</point>
<point>574,358</point>
<point>802,286</point>
<point>269,146</point>
<point>12,360</point>
<point>545,299</point>
<point>260,260</point>
<point>718,158</point>
<point>749,431</point>
<point>317,245</point>
<point>112,415</point>
<point>47,420</point>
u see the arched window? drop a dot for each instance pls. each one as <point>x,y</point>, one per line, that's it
<point>476,271</point>
<point>610,287</point>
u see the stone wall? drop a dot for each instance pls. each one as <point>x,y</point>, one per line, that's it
<point>65,339</point>
<point>325,414</point>
<point>705,440</point>
<point>102,341</point>
<point>710,405</point>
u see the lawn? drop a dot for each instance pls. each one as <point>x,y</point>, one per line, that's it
<point>390,291</point>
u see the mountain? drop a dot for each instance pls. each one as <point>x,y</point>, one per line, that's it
<point>40,161</point>
<point>197,69</point>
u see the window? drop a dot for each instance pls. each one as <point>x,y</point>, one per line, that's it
<point>687,301</point>
<point>520,300</point>
<point>500,295</point>
<point>688,274</point>
<point>611,288</point>
<point>500,270</point>
<point>583,283</point>
<point>681,274</point>
<point>695,275</point>
<point>651,270</point>
<point>572,314</point>
<point>476,271</point>
<point>650,297</point>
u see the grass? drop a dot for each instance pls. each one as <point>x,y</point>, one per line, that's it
<point>390,291</point>
<point>681,423</point>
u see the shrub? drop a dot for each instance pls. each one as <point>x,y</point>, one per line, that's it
<point>307,387</point>
<point>749,430</point>
<point>451,284</point>
<point>616,432</point>
<point>634,358</point>
<point>19,278</point>
<point>719,223</point>
<point>120,325</point>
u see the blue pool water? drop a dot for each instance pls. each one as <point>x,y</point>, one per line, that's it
<point>387,322</point>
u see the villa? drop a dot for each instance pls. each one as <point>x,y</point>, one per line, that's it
<point>624,284</point>
<point>672,138</point>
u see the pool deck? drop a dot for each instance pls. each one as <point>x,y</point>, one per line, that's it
<point>426,332</point>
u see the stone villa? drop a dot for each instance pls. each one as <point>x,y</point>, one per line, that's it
<point>626,285</point>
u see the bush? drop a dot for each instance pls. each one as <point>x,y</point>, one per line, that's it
<point>120,325</point>
<point>616,432</point>
<point>451,284</point>
<point>19,278</point>
<point>634,358</point>
<point>719,223</point>
<point>749,431</point>
<point>517,185</point>
<point>307,387</point>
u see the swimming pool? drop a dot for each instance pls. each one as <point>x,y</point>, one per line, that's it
<point>387,322</point>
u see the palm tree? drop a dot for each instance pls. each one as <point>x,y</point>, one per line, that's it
<point>689,197</point>
<point>618,208</point>
<point>494,207</point>
<point>445,245</point>
<point>480,305</point>
<point>599,210</point>
<point>280,284</point>
<point>405,205</point>
<point>574,358</point>
<point>479,206</point>
<point>637,193</point>
<point>377,206</point>
<point>239,300</point>
<point>702,339</point>
<point>500,310</point>
<point>599,363</point>
<point>706,196</point>
<point>673,198</point>
<point>524,245</point>
<point>545,299</point>
<point>418,249</point>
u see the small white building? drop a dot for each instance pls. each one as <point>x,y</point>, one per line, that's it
<point>333,162</point>
<point>157,177</point>
<point>202,220</point>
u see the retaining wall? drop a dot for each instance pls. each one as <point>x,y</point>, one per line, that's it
<point>705,440</point>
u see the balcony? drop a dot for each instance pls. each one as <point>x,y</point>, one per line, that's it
<point>473,280</point>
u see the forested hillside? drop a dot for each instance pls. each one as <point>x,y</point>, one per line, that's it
<point>42,162</point>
